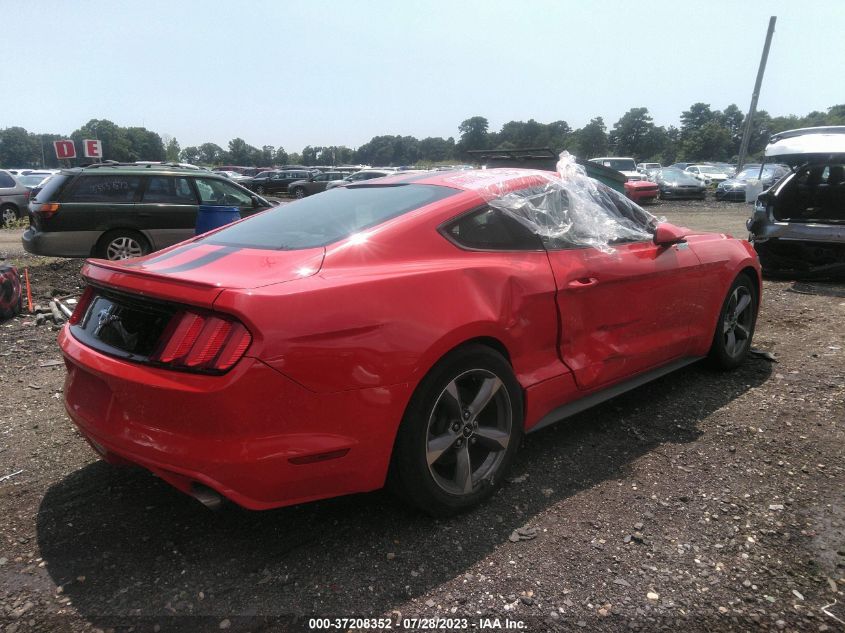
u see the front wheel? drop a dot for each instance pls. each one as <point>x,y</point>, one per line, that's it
<point>260,190</point>
<point>460,432</point>
<point>735,327</point>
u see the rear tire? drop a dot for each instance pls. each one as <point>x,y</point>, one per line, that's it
<point>460,432</point>
<point>8,214</point>
<point>299,192</point>
<point>735,327</point>
<point>122,244</point>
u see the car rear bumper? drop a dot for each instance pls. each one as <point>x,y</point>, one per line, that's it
<point>59,243</point>
<point>252,435</point>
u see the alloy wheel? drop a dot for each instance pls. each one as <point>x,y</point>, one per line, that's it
<point>123,248</point>
<point>469,430</point>
<point>8,216</point>
<point>299,192</point>
<point>738,322</point>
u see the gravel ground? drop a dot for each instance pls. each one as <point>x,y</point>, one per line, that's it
<point>703,501</point>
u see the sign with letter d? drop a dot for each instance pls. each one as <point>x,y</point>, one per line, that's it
<point>64,149</point>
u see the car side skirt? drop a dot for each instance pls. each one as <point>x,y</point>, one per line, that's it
<point>572,408</point>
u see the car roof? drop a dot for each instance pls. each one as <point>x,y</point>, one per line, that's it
<point>793,144</point>
<point>504,178</point>
<point>148,168</point>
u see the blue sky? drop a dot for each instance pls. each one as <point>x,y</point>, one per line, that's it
<point>340,72</point>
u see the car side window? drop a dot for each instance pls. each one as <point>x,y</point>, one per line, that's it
<point>6,180</point>
<point>217,192</point>
<point>112,188</point>
<point>170,190</point>
<point>490,229</point>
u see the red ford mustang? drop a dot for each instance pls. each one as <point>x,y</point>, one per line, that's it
<point>411,328</point>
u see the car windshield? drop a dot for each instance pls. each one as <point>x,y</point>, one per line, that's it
<point>670,173</point>
<point>30,180</point>
<point>331,216</point>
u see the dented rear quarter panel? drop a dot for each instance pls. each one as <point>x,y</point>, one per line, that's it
<point>384,309</point>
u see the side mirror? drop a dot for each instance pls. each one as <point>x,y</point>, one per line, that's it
<point>667,234</point>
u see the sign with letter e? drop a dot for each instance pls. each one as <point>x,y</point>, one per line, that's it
<point>65,149</point>
<point>93,149</point>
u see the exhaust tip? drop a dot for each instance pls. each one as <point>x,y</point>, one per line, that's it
<point>211,499</point>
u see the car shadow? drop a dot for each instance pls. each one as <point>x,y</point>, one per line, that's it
<point>130,551</point>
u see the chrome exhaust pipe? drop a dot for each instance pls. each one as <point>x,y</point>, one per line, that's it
<point>211,499</point>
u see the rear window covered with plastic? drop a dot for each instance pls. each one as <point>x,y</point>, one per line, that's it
<point>328,217</point>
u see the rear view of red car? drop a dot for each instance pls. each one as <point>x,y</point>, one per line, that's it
<point>410,327</point>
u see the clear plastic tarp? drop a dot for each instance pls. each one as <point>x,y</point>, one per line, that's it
<point>567,207</point>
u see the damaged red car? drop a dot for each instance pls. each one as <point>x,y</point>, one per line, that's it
<point>409,328</point>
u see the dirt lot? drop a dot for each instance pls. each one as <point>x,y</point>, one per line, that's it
<point>702,501</point>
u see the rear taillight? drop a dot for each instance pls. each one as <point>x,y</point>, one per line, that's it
<point>27,194</point>
<point>81,306</point>
<point>49,209</point>
<point>202,342</point>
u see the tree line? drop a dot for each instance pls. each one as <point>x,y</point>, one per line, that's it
<point>704,134</point>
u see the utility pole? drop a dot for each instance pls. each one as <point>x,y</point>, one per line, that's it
<point>746,134</point>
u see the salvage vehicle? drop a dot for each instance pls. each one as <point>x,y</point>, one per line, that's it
<point>117,211</point>
<point>314,183</point>
<point>798,225</point>
<point>708,174</point>
<point>641,190</point>
<point>675,183</point>
<point>408,328</point>
<point>626,166</point>
<point>14,196</point>
<point>763,175</point>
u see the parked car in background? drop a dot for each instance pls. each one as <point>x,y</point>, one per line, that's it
<point>120,211</point>
<point>641,190</point>
<point>734,188</point>
<point>236,363</point>
<point>798,225</point>
<point>676,183</point>
<point>627,166</point>
<point>277,181</point>
<point>649,169</point>
<point>314,183</point>
<point>14,197</point>
<point>364,174</point>
<point>706,173</point>
<point>34,178</point>
<point>232,175</point>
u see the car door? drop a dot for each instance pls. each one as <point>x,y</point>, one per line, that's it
<point>278,182</point>
<point>219,192</point>
<point>167,210</point>
<point>625,311</point>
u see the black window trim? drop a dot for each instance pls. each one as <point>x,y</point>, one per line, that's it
<point>443,229</point>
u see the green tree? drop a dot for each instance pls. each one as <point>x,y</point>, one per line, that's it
<point>436,148</point>
<point>144,144</point>
<point>635,134</point>
<point>474,135</point>
<point>18,148</point>
<point>240,152</point>
<point>591,140</point>
<point>171,151</point>
<point>211,154</point>
<point>280,157</point>
<point>115,142</point>
<point>190,155</point>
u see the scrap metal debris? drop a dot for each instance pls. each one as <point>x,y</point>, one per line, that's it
<point>10,475</point>
<point>759,353</point>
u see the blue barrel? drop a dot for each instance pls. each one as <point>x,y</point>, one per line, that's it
<point>211,217</point>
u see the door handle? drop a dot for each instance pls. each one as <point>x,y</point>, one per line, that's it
<point>582,282</point>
